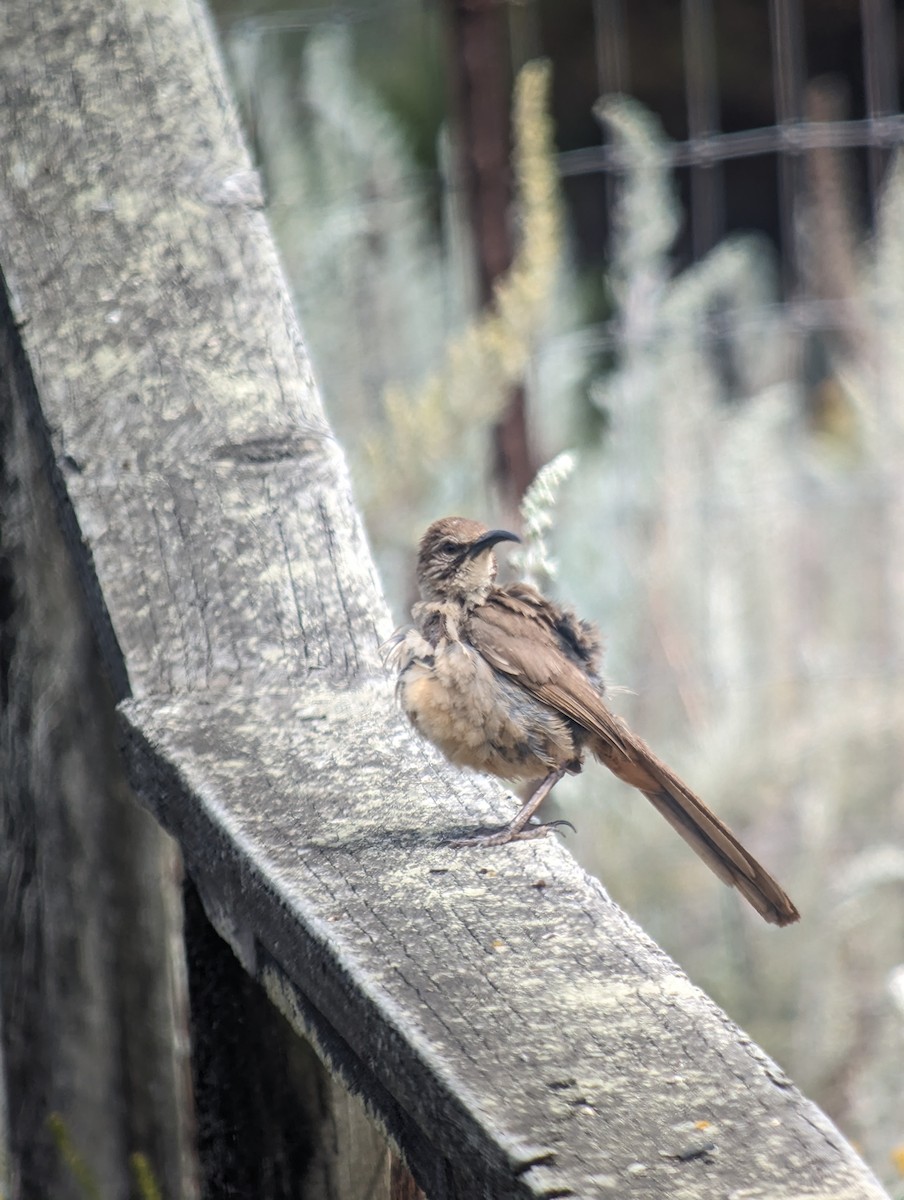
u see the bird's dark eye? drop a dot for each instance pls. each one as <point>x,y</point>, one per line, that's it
<point>447,547</point>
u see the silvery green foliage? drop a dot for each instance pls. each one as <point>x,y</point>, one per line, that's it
<point>533,561</point>
<point>689,349</point>
<point>376,293</point>
<point>737,534</point>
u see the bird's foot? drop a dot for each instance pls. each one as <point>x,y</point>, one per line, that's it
<point>511,833</point>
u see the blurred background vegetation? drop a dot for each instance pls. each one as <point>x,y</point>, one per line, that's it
<point>671,259</point>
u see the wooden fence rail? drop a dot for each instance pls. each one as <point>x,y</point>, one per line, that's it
<point>191,617</point>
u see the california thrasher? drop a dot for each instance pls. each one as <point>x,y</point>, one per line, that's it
<point>502,680</point>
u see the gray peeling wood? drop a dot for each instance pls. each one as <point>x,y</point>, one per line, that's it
<point>175,393</point>
<point>521,1018</point>
<point>517,1032</point>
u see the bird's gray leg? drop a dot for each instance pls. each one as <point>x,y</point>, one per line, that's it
<point>515,831</point>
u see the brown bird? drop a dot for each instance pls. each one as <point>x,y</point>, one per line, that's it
<point>505,681</point>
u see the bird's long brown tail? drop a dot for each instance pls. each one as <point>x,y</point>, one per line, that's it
<point>700,828</point>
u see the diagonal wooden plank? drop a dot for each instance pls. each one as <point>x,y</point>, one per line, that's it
<point>531,1034</point>
<point>174,389</point>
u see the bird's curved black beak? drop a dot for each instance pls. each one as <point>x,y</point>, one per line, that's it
<point>489,540</point>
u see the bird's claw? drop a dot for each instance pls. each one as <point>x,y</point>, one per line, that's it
<point>502,837</point>
<point>556,824</point>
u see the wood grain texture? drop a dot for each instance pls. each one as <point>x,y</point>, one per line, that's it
<point>91,1015</point>
<point>537,1040</point>
<point>175,393</point>
<point>514,1032</point>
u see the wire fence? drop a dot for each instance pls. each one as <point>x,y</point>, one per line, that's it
<point>796,127</point>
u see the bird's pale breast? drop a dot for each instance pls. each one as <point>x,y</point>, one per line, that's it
<point>477,717</point>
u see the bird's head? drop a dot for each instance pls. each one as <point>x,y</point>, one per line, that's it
<point>456,560</point>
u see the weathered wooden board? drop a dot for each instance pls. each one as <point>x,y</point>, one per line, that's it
<point>179,403</point>
<point>91,975</point>
<point>515,1032</point>
<point>537,1040</point>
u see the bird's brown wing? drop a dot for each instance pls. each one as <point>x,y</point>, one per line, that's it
<point>518,636</point>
